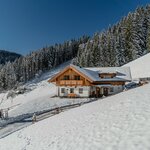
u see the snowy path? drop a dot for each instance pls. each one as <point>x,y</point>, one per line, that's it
<point>5,131</point>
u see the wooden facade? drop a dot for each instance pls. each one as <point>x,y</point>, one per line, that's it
<point>110,82</point>
<point>72,81</point>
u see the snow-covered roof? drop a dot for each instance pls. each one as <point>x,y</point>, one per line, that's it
<point>107,71</point>
<point>122,73</point>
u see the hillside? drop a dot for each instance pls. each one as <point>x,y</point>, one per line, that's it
<point>31,96</point>
<point>34,64</point>
<point>37,96</point>
<point>140,67</point>
<point>6,56</point>
<point>46,90</point>
<point>121,43</point>
<point>118,122</point>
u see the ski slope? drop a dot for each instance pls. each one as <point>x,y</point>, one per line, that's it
<point>140,68</point>
<point>118,122</point>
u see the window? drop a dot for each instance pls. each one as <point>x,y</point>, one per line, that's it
<point>111,89</point>
<point>71,90</point>
<point>106,77</point>
<point>66,77</point>
<point>77,77</point>
<point>80,90</point>
<point>62,90</point>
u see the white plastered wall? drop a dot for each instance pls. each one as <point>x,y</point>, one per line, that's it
<point>116,89</point>
<point>86,91</point>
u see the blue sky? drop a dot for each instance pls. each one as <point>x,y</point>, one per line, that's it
<point>27,25</point>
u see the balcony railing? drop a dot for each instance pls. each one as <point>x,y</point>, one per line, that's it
<point>71,82</point>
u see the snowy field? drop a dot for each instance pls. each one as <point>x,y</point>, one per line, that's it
<point>41,98</point>
<point>119,122</point>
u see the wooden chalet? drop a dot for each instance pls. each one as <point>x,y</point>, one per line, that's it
<point>74,81</point>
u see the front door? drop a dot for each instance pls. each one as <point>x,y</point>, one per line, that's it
<point>98,92</point>
<point>71,90</point>
<point>105,91</point>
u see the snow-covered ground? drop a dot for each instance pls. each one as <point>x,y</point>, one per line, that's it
<point>39,98</point>
<point>118,122</point>
<point>140,67</point>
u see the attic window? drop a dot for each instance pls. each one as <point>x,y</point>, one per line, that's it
<point>77,77</point>
<point>107,75</point>
<point>66,77</point>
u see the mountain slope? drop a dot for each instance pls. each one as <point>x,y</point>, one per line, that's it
<point>37,96</point>
<point>37,62</point>
<point>140,67</point>
<point>118,122</point>
<point>6,56</point>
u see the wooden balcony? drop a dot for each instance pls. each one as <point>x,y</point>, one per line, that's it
<point>71,82</point>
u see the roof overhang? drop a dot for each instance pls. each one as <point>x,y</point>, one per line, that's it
<point>104,85</point>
